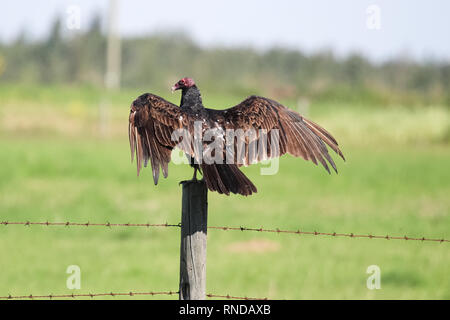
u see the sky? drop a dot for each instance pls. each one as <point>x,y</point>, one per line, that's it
<point>378,29</point>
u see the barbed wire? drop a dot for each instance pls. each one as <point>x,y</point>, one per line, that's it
<point>117,294</point>
<point>209,295</point>
<point>89,224</point>
<point>333,234</point>
<point>90,295</point>
<point>225,228</point>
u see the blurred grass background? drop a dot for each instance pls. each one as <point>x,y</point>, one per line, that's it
<point>65,157</point>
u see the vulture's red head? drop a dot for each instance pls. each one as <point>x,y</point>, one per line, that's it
<point>183,84</point>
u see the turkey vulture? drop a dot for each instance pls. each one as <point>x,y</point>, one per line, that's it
<point>153,121</point>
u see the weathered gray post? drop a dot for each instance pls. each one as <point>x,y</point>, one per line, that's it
<point>193,240</point>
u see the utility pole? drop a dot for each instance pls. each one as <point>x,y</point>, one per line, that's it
<point>113,54</point>
<point>113,61</point>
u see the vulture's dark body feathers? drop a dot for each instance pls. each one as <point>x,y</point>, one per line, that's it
<point>153,120</point>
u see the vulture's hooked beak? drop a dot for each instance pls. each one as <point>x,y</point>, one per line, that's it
<point>175,87</point>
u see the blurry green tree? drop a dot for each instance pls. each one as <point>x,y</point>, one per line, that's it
<point>158,59</point>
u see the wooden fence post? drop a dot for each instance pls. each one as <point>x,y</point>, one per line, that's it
<point>193,240</point>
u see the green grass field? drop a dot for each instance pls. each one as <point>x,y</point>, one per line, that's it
<point>57,167</point>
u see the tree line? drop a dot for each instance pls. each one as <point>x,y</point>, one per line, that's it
<point>155,60</point>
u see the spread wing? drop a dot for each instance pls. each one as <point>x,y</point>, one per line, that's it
<point>151,123</point>
<point>296,135</point>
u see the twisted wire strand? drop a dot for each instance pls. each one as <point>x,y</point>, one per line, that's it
<point>225,228</point>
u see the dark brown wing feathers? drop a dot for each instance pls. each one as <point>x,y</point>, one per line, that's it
<point>153,120</point>
<point>151,123</point>
<point>298,136</point>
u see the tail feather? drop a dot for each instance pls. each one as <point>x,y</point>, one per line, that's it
<point>226,178</point>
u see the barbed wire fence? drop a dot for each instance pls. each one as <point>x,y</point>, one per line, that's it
<point>118,294</point>
<point>178,225</point>
<point>226,228</point>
